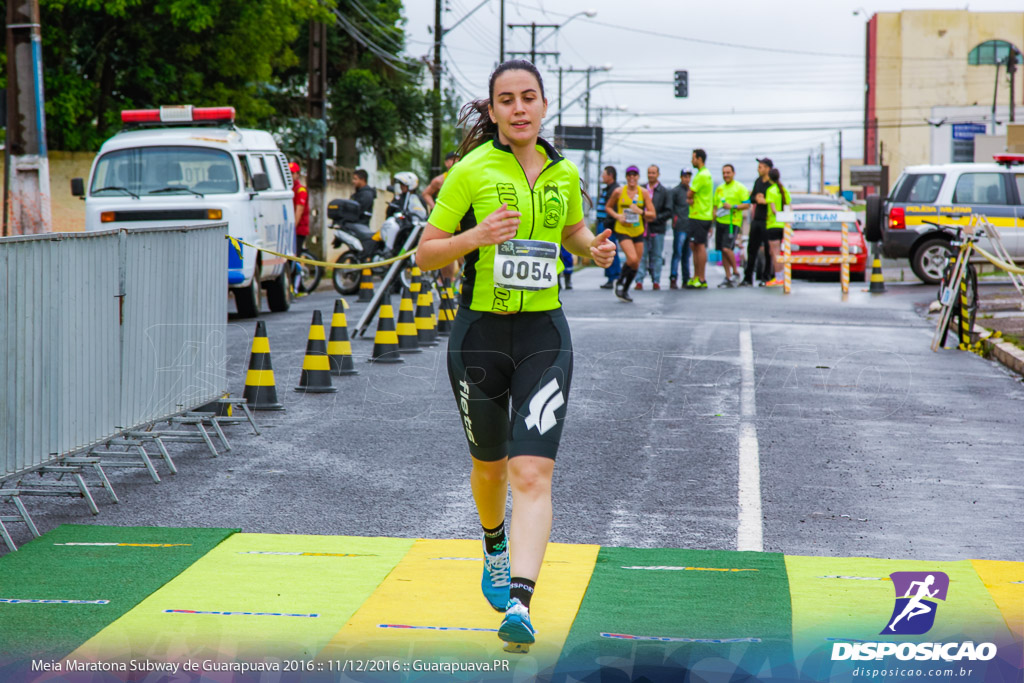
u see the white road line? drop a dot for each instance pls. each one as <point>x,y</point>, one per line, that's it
<point>750,532</point>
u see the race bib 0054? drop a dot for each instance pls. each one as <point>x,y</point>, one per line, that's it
<point>631,217</point>
<point>526,265</point>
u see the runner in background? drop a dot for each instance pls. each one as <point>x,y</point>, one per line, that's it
<point>630,206</point>
<point>730,202</point>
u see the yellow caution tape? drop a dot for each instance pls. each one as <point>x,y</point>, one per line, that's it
<point>323,264</point>
<point>998,263</point>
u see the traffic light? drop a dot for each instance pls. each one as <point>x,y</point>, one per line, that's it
<point>682,84</point>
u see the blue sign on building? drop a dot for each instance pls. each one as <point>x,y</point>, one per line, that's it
<point>967,131</point>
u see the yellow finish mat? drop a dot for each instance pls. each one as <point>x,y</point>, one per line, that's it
<point>431,608</point>
<point>253,596</point>
<point>1005,582</point>
<point>852,598</point>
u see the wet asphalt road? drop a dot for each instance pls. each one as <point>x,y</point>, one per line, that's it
<point>868,443</point>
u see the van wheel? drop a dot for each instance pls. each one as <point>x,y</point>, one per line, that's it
<point>248,299</point>
<point>279,293</point>
<point>929,260</point>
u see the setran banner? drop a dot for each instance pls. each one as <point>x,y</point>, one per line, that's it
<point>817,216</point>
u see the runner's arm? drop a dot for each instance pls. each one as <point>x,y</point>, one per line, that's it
<point>438,248</point>
<point>578,239</point>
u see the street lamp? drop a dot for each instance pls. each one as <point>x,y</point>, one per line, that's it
<point>589,13</point>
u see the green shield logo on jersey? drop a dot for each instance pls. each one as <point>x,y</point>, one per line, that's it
<point>553,206</point>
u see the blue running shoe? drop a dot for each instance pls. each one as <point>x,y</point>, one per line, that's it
<point>497,577</point>
<point>516,629</point>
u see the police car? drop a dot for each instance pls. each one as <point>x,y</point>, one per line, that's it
<point>184,165</point>
<point>925,197</point>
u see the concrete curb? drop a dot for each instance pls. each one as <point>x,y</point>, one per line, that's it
<point>1003,351</point>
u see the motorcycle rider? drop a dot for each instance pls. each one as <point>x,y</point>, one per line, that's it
<point>407,200</point>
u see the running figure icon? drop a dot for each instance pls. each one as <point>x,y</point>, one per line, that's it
<point>915,607</point>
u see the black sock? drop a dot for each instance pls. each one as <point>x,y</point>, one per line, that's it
<point>523,589</point>
<point>629,277</point>
<point>494,539</point>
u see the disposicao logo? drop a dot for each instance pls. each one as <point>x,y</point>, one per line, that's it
<point>916,596</point>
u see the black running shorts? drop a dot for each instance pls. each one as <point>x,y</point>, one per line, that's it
<point>524,356</point>
<point>698,231</point>
<point>725,237</point>
<point>775,234</point>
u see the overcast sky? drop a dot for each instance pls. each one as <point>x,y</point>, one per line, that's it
<point>744,70</point>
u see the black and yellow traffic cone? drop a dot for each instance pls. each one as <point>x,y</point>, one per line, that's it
<point>316,366</point>
<point>426,326</point>
<point>444,312</point>
<point>877,285</point>
<point>365,286</point>
<point>339,347</point>
<point>408,339</point>
<point>385,343</point>
<point>260,391</point>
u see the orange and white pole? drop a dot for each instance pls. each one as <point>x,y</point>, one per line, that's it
<point>787,269</point>
<point>844,267</point>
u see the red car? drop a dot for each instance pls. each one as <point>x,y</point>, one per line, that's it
<point>825,239</point>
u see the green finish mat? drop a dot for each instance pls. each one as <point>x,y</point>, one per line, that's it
<point>73,568</point>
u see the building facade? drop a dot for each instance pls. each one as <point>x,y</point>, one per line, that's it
<point>931,76</point>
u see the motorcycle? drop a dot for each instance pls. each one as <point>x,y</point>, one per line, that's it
<point>405,215</point>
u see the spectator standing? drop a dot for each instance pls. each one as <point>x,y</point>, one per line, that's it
<point>654,241</point>
<point>604,221</point>
<point>300,200</point>
<point>680,236</point>
<point>758,236</point>
<point>777,197</point>
<point>700,197</point>
<point>731,199</point>
<point>364,194</point>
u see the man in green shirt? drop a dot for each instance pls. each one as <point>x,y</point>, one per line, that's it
<point>700,198</point>
<point>731,200</point>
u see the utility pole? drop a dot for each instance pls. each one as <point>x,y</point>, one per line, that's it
<point>435,145</point>
<point>316,102</point>
<point>995,95</point>
<point>809,171</point>
<point>1011,71</point>
<point>501,32</point>
<point>533,41</point>
<point>29,167</point>
<point>840,181</point>
<point>559,96</point>
<point>821,161</point>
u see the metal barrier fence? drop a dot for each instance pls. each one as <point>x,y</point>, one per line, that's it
<point>106,331</point>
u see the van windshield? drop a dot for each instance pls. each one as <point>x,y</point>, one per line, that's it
<point>164,170</point>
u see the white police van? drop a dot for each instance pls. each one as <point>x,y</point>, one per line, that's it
<point>189,165</point>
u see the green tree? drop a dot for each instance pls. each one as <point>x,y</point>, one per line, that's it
<point>376,99</point>
<point>102,56</point>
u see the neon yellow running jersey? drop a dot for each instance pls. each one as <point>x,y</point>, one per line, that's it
<point>521,274</point>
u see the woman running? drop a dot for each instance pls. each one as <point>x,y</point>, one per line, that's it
<point>510,340</point>
<point>631,207</point>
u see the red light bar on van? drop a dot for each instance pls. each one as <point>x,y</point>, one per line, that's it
<point>1008,159</point>
<point>178,114</point>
